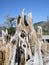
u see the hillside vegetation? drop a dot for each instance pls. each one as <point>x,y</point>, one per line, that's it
<point>43,24</point>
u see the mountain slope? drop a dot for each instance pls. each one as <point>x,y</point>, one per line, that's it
<point>44,25</point>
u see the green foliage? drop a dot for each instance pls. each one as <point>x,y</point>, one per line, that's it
<point>11,30</point>
<point>45,32</point>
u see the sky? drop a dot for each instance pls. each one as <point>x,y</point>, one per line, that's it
<point>39,9</point>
